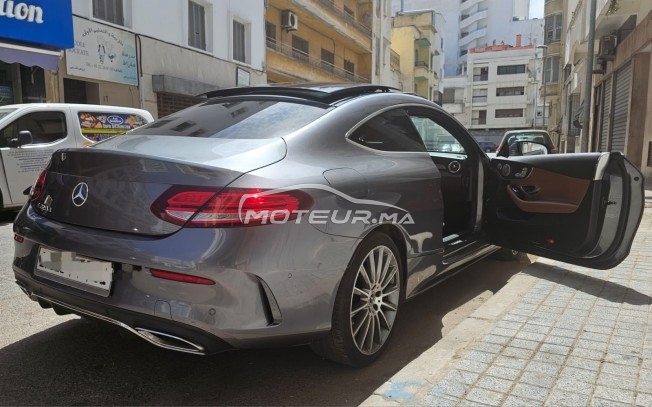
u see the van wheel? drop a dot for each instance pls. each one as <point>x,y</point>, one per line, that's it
<point>366,304</point>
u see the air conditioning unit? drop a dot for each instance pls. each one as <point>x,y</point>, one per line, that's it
<point>289,20</point>
<point>607,49</point>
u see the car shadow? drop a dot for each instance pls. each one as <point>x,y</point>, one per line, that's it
<point>7,217</point>
<point>82,362</point>
<point>605,289</point>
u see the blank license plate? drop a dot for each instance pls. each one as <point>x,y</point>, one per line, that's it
<point>80,272</point>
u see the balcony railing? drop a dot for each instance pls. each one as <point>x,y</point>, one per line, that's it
<point>395,61</point>
<point>346,16</point>
<point>482,77</point>
<point>479,121</point>
<point>422,64</point>
<point>479,99</point>
<point>305,58</point>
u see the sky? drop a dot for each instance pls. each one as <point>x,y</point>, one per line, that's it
<point>536,8</point>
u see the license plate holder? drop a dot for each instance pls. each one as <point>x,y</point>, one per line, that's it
<point>71,269</point>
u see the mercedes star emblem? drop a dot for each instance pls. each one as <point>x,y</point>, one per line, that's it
<point>80,194</point>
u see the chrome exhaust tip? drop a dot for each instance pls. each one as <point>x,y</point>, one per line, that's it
<point>171,342</point>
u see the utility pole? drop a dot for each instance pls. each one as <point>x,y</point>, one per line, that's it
<point>588,88</point>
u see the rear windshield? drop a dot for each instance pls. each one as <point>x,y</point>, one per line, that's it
<point>530,136</point>
<point>241,119</point>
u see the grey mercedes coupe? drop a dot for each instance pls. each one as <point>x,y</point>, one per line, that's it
<point>284,215</point>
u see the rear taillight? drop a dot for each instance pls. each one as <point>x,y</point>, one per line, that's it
<point>37,188</point>
<point>230,207</point>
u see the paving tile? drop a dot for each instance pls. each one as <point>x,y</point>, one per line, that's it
<point>517,352</point>
<point>598,329</point>
<point>559,398</point>
<point>566,333</point>
<point>629,360</point>
<point>515,318</point>
<point>531,336</point>
<point>621,370</point>
<point>574,386</point>
<point>472,366</point>
<point>513,401</point>
<point>530,392</point>
<point>594,336</point>
<point>591,345</point>
<point>494,383</point>
<point>483,396</point>
<point>538,379</point>
<point>497,339</point>
<point>503,372</point>
<point>598,402</point>
<point>542,367</point>
<point>503,332</point>
<point>448,388</point>
<point>555,349</point>
<point>549,358</point>
<point>559,340</point>
<point>535,329</point>
<point>488,347</point>
<point>525,344</point>
<point>510,362</point>
<point>583,363</point>
<point>617,382</point>
<point>461,376</point>
<point>574,373</point>
<point>479,356</point>
<point>608,393</point>
<point>439,401</point>
<point>509,325</point>
<point>644,399</point>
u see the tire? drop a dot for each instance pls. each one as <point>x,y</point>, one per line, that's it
<point>487,150</point>
<point>365,297</point>
<point>506,254</point>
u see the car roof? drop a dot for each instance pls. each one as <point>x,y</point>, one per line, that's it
<point>530,131</point>
<point>318,92</point>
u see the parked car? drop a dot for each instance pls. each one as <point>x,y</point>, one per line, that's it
<point>30,133</point>
<point>284,215</point>
<point>487,146</point>
<point>508,144</point>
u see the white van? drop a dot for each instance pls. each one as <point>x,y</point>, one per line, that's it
<point>30,133</point>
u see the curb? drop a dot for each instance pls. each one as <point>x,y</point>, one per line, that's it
<point>412,383</point>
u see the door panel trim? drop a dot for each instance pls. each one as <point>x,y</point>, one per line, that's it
<point>552,193</point>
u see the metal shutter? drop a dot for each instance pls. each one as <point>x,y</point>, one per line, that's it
<point>606,115</point>
<point>621,108</point>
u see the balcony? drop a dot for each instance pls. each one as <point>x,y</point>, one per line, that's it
<point>481,78</point>
<point>610,19</point>
<point>285,59</point>
<point>468,19</point>
<point>346,16</point>
<point>395,61</point>
<point>472,36</point>
<point>421,71</point>
<point>467,4</point>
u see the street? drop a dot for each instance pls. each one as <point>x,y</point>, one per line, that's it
<point>65,360</point>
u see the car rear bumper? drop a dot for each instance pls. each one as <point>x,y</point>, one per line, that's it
<point>265,293</point>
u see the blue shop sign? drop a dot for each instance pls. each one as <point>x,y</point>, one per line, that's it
<point>43,23</point>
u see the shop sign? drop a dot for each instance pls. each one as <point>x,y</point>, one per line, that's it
<point>102,53</point>
<point>44,23</point>
<point>99,126</point>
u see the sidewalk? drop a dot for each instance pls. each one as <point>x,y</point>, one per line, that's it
<point>556,335</point>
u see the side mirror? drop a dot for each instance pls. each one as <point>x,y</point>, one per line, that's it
<point>24,137</point>
<point>531,148</point>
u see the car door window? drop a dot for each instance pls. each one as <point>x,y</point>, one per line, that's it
<point>46,127</point>
<point>389,131</point>
<point>436,138</point>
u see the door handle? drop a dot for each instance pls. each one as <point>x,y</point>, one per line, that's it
<point>529,190</point>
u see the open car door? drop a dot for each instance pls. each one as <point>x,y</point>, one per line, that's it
<point>582,209</point>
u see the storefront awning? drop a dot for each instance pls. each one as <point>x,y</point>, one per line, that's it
<point>28,56</point>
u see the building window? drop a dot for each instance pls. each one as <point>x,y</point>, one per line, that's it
<point>480,95</point>
<point>300,48</point>
<point>239,42</point>
<point>553,28</point>
<point>480,74</point>
<point>349,68</point>
<point>270,33</point>
<point>109,10</point>
<point>196,25</point>
<point>512,91</point>
<point>511,69</point>
<point>551,69</point>
<point>327,60</point>
<point>479,117</point>
<point>503,113</point>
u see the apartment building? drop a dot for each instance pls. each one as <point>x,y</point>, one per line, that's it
<point>500,90</point>
<point>319,41</point>
<point>554,40</point>
<point>417,40</point>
